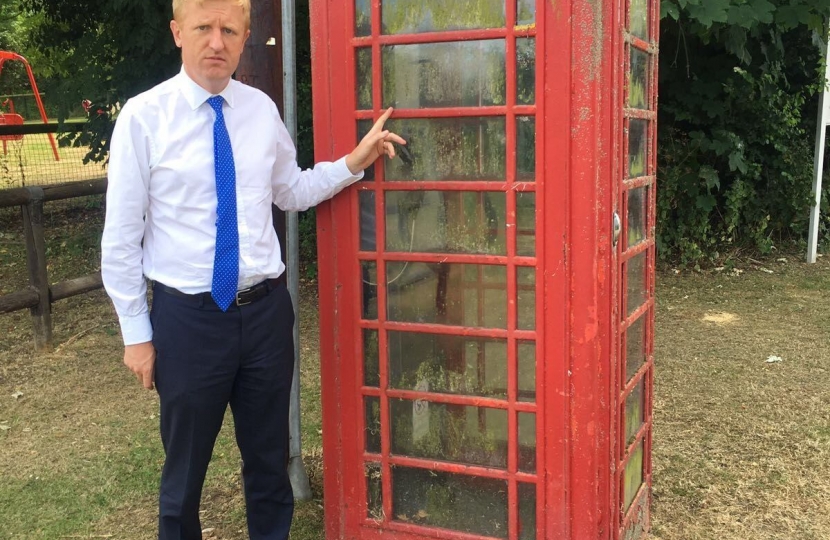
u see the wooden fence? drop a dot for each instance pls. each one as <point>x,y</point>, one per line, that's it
<point>39,295</point>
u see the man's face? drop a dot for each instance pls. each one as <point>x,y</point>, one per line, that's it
<point>211,37</point>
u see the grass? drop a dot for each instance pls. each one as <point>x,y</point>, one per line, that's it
<point>742,446</point>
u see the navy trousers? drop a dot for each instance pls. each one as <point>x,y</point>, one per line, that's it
<point>207,359</point>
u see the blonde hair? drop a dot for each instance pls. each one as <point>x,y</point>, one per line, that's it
<point>178,5</point>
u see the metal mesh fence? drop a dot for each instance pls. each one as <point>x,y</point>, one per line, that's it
<point>30,153</point>
<point>38,159</point>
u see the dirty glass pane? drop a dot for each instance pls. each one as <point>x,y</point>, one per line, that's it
<point>368,223</point>
<point>408,17</point>
<point>452,74</point>
<point>526,71</point>
<point>363,59</point>
<point>638,80</point>
<point>372,412</point>
<point>443,294</point>
<point>636,273</point>
<point>527,442</point>
<point>371,362</point>
<point>635,338</point>
<point>362,18</point>
<point>639,18</point>
<point>457,433</point>
<point>485,286</point>
<point>369,282</point>
<point>446,222</point>
<point>374,491</point>
<point>526,153</point>
<point>637,146</point>
<point>447,364</point>
<point>634,412</point>
<point>526,281</point>
<point>527,371</point>
<point>463,503</point>
<point>637,214</point>
<point>525,12</point>
<point>527,511</point>
<point>633,476</point>
<point>526,223</point>
<point>363,127</point>
<point>449,149</point>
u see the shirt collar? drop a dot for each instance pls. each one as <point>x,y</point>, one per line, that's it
<point>196,95</point>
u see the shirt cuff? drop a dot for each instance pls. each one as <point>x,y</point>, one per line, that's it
<point>340,170</point>
<point>136,329</point>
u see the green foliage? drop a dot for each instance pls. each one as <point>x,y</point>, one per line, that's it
<point>15,27</point>
<point>102,50</point>
<point>738,80</point>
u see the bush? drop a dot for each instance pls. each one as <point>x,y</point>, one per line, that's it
<point>736,126</point>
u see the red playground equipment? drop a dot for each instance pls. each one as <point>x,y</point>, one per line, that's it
<point>12,118</point>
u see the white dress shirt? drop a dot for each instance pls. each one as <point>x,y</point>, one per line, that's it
<point>162,192</point>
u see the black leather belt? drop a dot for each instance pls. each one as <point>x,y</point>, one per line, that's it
<point>243,296</point>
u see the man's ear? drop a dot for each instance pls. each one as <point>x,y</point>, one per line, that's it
<point>177,32</point>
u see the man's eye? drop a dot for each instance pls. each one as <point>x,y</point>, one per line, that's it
<point>202,28</point>
<point>229,31</point>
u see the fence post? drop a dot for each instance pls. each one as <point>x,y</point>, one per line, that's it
<point>36,261</point>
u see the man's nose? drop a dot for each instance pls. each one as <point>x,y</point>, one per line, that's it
<point>216,41</point>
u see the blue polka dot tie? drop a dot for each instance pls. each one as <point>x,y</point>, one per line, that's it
<point>226,258</point>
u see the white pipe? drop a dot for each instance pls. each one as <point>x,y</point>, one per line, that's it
<point>818,164</point>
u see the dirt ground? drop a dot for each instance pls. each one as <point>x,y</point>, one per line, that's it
<point>742,408</point>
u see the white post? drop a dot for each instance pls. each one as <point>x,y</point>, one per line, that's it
<point>818,162</point>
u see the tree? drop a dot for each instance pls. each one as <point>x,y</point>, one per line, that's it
<point>102,50</point>
<point>736,123</point>
<point>15,27</point>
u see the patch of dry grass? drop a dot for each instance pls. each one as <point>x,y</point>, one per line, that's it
<point>742,446</point>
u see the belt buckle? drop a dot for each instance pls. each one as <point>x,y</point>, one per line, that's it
<point>239,301</point>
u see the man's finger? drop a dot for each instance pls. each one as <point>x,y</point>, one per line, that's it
<point>147,379</point>
<point>395,137</point>
<point>382,120</point>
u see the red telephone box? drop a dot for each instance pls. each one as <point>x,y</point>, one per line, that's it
<point>487,299</point>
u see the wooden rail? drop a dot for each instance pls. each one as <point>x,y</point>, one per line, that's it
<point>39,296</point>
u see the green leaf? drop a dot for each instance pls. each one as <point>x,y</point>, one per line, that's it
<point>709,12</point>
<point>706,202</point>
<point>763,11</point>
<point>710,175</point>
<point>736,43</point>
<point>669,9</point>
<point>791,16</point>
<point>742,15</point>
<point>736,162</point>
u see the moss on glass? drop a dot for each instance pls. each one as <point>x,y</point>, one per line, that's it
<point>407,16</point>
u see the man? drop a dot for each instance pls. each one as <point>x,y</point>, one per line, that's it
<point>195,164</point>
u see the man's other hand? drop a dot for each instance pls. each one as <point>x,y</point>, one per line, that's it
<point>375,144</point>
<point>141,359</point>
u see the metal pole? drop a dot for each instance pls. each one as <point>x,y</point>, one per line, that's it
<point>818,164</point>
<point>296,469</point>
